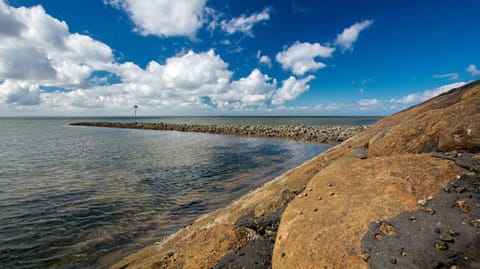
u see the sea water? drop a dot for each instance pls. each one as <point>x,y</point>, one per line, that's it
<point>83,197</point>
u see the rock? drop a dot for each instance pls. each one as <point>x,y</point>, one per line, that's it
<point>318,134</point>
<point>365,256</point>
<point>430,211</point>
<point>453,233</point>
<point>463,206</point>
<point>441,245</point>
<point>422,202</point>
<point>386,228</point>
<point>446,237</point>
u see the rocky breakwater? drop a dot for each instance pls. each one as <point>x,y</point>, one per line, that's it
<point>404,194</point>
<point>318,134</point>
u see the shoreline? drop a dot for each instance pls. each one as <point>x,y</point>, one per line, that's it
<point>341,208</point>
<point>259,209</point>
<point>316,134</point>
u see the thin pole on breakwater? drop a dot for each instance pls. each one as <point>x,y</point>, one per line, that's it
<point>135,114</point>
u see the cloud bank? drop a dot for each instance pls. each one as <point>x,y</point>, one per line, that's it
<point>45,68</point>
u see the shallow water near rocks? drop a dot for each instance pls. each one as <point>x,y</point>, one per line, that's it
<point>81,197</point>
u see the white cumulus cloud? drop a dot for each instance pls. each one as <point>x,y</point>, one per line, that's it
<point>347,38</point>
<point>19,93</point>
<point>301,57</point>
<point>244,24</point>
<point>291,89</point>
<point>253,90</point>
<point>164,17</point>
<point>40,49</point>
<point>39,52</point>
<point>472,69</point>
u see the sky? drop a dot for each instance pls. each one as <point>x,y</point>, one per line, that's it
<point>230,57</point>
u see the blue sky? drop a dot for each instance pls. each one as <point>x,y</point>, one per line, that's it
<point>220,57</point>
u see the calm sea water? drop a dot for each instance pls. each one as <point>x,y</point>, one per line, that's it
<point>81,197</point>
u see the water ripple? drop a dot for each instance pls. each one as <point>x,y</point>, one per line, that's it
<point>74,197</point>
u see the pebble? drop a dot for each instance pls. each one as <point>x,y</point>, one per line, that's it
<point>331,193</point>
<point>463,206</point>
<point>315,209</point>
<point>441,245</point>
<point>387,228</point>
<point>453,233</point>
<point>404,253</point>
<point>365,256</point>
<point>446,237</point>
<point>430,211</point>
<point>393,261</point>
<point>310,189</point>
<point>422,202</point>
<point>319,198</point>
<point>475,223</point>
<point>460,189</point>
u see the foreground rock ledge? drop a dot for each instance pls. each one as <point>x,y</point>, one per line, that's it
<point>372,178</point>
<point>318,134</point>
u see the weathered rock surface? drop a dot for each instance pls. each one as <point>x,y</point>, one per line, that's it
<point>395,172</point>
<point>444,233</point>
<point>370,179</point>
<point>318,134</point>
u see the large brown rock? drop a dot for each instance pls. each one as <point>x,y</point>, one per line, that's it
<point>324,229</point>
<point>448,122</point>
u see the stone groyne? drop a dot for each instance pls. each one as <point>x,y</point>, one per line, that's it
<point>317,134</point>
